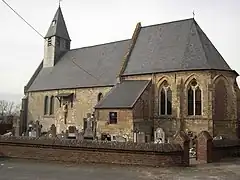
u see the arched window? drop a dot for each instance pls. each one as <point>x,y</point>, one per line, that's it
<point>51,111</point>
<point>194,98</point>
<point>100,96</point>
<point>165,99</point>
<point>46,105</point>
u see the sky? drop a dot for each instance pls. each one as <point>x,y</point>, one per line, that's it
<point>93,22</point>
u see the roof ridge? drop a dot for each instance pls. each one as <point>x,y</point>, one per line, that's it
<point>98,45</point>
<point>31,80</point>
<point>130,49</point>
<point>187,42</point>
<point>168,22</point>
<point>201,44</point>
<point>142,91</point>
<point>198,29</point>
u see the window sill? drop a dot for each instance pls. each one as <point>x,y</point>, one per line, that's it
<point>109,124</point>
<point>194,117</point>
<point>48,116</point>
<point>165,116</point>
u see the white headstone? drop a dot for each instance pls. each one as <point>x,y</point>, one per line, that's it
<point>159,136</point>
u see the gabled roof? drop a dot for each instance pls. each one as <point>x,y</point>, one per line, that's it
<point>85,67</point>
<point>123,95</point>
<point>174,46</point>
<point>58,26</point>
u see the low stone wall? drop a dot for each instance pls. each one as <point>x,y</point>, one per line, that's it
<point>75,151</point>
<point>209,150</point>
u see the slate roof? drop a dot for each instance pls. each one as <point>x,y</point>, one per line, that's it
<point>85,67</point>
<point>123,95</point>
<point>60,28</point>
<point>173,46</point>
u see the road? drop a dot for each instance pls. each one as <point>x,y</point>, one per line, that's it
<point>34,170</point>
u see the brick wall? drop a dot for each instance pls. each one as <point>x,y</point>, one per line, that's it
<point>75,151</point>
<point>209,150</point>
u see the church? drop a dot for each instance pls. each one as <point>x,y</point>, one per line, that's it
<point>167,76</point>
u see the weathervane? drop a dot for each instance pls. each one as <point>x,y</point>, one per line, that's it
<point>193,14</point>
<point>59,2</point>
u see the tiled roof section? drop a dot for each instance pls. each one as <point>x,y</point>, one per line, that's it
<point>174,46</point>
<point>85,67</point>
<point>58,26</point>
<point>123,95</point>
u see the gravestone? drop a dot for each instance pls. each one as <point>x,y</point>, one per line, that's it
<point>120,139</point>
<point>38,129</point>
<point>88,132</point>
<point>141,137</point>
<point>72,132</point>
<point>53,130</point>
<point>159,136</point>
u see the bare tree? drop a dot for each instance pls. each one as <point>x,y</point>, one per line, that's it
<point>8,108</point>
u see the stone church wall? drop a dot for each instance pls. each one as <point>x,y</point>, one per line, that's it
<point>142,111</point>
<point>128,120</point>
<point>179,83</point>
<point>83,102</point>
<point>224,104</point>
<point>124,124</point>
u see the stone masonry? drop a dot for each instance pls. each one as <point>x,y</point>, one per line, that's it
<point>179,119</point>
<point>83,103</point>
<point>136,118</point>
<point>85,100</point>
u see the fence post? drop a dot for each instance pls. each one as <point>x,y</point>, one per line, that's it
<point>182,138</point>
<point>204,147</point>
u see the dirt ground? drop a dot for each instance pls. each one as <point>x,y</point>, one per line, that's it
<point>11,169</point>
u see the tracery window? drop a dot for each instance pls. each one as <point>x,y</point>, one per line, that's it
<point>194,98</point>
<point>165,99</point>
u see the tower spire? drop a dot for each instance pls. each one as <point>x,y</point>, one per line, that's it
<point>57,40</point>
<point>58,26</point>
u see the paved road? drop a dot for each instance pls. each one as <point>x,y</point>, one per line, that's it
<point>32,170</point>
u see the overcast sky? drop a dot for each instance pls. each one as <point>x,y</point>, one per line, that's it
<point>92,22</point>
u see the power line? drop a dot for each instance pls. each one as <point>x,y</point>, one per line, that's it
<point>22,18</point>
<point>84,69</point>
<point>44,38</point>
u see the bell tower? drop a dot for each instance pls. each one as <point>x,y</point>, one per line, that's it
<point>57,40</point>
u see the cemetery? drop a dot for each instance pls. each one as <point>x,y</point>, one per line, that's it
<point>83,147</point>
